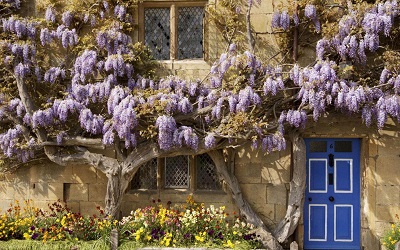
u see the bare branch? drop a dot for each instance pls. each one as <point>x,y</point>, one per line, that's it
<point>99,161</point>
<point>77,141</point>
<point>250,38</point>
<point>29,105</point>
<point>150,150</point>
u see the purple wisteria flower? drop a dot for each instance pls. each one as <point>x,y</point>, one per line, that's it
<point>46,36</point>
<point>166,127</point>
<point>67,18</point>
<point>50,14</point>
<point>209,141</point>
<point>310,11</point>
<point>60,136</point>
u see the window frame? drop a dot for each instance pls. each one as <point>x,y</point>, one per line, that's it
<point>188,159</point>
<point>192,177</point>
<point>173,6</point>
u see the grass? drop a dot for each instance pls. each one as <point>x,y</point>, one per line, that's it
<point>55,245</point>
<point>80,245</point>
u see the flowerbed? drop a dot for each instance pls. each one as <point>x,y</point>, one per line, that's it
<point>189,225</point>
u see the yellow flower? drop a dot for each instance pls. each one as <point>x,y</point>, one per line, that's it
<point>229,244</point>
<point>27,236</point>
<point>63,221</point>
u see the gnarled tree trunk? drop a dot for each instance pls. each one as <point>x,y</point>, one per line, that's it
<point>114,192</point>
<point>294,210</point>
<point>267,238</point>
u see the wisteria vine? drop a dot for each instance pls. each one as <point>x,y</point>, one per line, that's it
<point>101,94</point>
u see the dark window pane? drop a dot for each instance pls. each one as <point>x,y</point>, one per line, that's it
<point>343,146</point>
<point>318,146</point>
<point>207,178</point>
<point>177,172</point>
<point>190,32</point>
<point>146,176</point>
<point>157,31</point>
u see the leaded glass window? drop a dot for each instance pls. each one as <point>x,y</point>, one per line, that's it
<point>146,176</point>
<point>190,32</point>
<point>158,31</point>
<point>207,178</point>
<point>177,172</point>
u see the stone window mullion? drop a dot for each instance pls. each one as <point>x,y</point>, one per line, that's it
<point>174,32</point>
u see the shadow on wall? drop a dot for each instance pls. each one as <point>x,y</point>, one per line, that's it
<point>82,187</point>
<point>384,159</point>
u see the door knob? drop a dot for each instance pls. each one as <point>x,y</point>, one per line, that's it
<point>331,198</point>
<point>309,199</point>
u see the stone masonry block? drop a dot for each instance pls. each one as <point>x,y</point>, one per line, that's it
<point>174,196</point>
<point>7,190</point>
<point>388,154</point>
<point>97,192</point>
<point>276,194</point>
<point>20,175</point>
<point>84,174</point>
<point>280,212</point>
<point>277,172</point>
<point>76,192</point>
<point>387,195</point>
<point>387,213</point>
<point>254,193</point>
<point>5,205</point>
<point>90,207</point>
<point>248,173</point>
<point>21,191</point>
<point>264,7</point>
<point>43,205</point>
<point>246,155</point>
<point>369,240</point>
<point>140,196</point>
<point>212,197</point>
<point>266,213</point>
<point>381,228</point>
<point>74,206</point>
<point>50,173</point>
<point>373,147</point>
<point>259,22</point>
<point>43,191</point>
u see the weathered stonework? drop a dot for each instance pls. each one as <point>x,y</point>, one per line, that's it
<point>263,177</point>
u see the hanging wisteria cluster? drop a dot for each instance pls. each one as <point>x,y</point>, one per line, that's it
<point>281,19</point>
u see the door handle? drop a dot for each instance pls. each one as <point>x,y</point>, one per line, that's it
<point>331,198</point>
<point>309,199</point>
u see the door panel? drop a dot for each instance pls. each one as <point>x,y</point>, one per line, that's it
<point>318,230</point>
<point>332,202</point>
<point>343,229</point>
<point>343,176</point>
<point>317,176</point>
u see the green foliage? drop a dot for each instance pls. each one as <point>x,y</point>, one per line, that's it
<point>392,236</point>
<point>59,245</point>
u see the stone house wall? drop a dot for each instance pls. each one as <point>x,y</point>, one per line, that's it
<point>264,178</point>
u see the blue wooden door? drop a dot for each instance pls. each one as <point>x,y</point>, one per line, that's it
<point>332,201</point>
